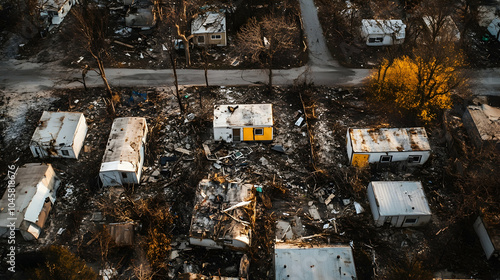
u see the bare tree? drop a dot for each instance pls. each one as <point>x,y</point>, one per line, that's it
<point>92,24</point>
<point>164,15</point>
<point>263,40</point>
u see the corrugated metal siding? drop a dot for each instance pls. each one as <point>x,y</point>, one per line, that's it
<point>400,198</point>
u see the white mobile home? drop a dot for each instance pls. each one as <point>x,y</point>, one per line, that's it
<point>385,145</point>
<point>243,122</point>
<point>398,203</point>
<point>222,215</point>
<point>209,29</point>
<point>59,134</point>
<point>124,155</point>
<point>319,262</point>
<point>378,32</point>
<point>488,232</point>
<point>35,193</point>
<point>483,125</point>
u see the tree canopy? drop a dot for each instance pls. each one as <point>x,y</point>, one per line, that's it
<point>420,85</point>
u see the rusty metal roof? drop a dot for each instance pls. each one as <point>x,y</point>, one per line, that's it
<point>381,140</point>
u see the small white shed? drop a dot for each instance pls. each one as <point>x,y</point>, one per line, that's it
<point>35,193</point>
<point>124,155</point>
<point>488,232</point>
<point>377,32</point>
<point>399,203</point>
<point>385,145</point>
<point>299,262</point>
<point>222,215</point>
<point>494,28</point>
<point>59,134</point>
<point>243,122</point>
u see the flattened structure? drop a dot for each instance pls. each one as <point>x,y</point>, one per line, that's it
<point>483,124</point>
<point>219,220</point>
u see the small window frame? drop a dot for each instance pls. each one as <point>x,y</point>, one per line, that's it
<point>65,153</point>
<point>385,159</point>
<point>216,37</point>
<point>414,158</point>
<point>258,131</point>
<point>411,220</point>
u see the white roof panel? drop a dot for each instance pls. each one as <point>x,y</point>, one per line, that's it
<point>378,26</point>
<point>58,126</point>
<point>35,182</point>
<point>210,22</point>
<point>125,140</point>
<point>400,198</point>
<point>380,140</point>
<point>243,115</point>
<point>309,263</point>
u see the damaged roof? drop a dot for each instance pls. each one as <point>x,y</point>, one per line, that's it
<point>210,22</point>
<point>124,143</point>
<point>380,140</point>
<point>223,214</point>
<point>121,233</point>
<point>487,121</point>
<point>316,262</point>
<point>35,182</point>
<point>400,198</point>
<point>240,115</point>
<point>58,126</point>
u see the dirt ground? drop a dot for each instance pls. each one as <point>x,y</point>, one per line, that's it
<point>294,182</point>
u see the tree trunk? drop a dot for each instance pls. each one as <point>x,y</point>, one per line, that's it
<point>187,52</point>
<point>176,82</point>
<point>205,56</point>
<point>102,73</point>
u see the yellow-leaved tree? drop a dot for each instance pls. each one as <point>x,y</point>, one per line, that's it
<point>420,85</point>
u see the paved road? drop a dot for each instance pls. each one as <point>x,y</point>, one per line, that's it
<point>22,76</point>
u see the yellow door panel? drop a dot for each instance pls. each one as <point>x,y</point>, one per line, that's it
<point>248,134</point>
<point>360,160</point>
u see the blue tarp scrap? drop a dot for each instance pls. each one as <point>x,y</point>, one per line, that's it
<point>137,97</point>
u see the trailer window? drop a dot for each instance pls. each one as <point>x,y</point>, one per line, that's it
<point>414,159</point>
<point>65,153</point>
<point>385,159</point>
<point>216,37</point>
<point>411,221</point>
<point>258,131</point>
<point>376,40</point>
<point>124,175</point>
